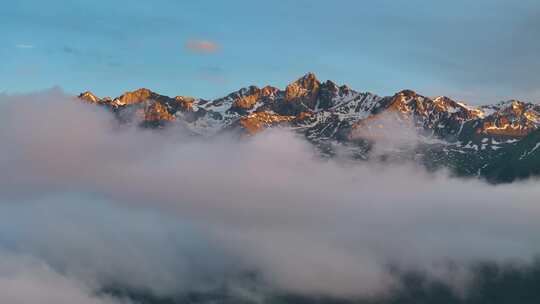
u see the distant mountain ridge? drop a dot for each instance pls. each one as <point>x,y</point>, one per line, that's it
<point>468,140</point>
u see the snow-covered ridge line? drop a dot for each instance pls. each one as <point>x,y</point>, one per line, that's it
<point>323,106</point>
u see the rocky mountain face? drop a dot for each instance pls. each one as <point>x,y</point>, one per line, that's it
<point>436,132</point>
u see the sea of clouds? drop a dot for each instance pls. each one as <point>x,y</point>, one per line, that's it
<point>86,204</point>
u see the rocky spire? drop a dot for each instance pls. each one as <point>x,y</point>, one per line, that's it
<point>305,87</point>
<point>89,97</point>
<point>136,96</point>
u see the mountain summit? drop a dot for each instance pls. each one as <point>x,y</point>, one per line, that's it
<point>443,132</point>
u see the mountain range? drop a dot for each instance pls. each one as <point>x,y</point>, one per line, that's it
<point>498,142</point>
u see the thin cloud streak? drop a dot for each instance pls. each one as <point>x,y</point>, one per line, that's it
<point>24,46</point>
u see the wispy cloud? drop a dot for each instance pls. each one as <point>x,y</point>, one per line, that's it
<point>25,280</point>
<point>202,46</point>
<point>24,46</point>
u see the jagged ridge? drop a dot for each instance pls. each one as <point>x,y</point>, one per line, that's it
<point>468,138</point>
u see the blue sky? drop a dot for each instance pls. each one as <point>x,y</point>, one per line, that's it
<point>480,51</point>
